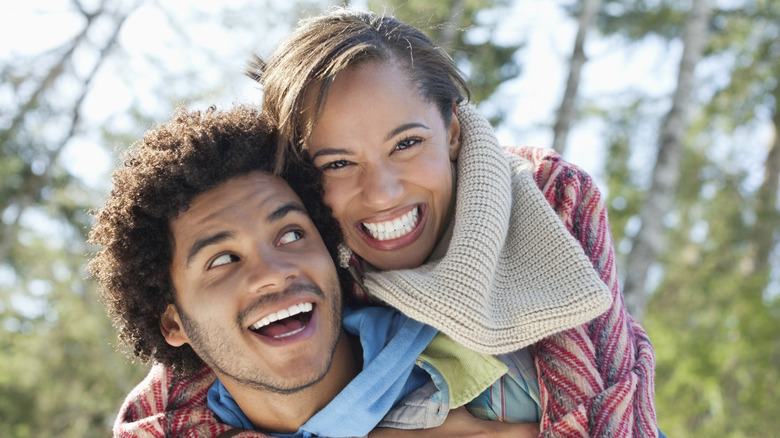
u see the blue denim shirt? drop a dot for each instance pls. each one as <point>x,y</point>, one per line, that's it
<point>391,343</point>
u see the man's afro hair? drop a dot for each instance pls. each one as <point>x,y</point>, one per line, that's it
<point>160,176</point>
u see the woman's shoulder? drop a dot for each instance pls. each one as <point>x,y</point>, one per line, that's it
<point>550,170</point>
<point>533,154</point>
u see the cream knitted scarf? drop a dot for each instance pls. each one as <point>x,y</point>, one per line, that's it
<point>512,274</point>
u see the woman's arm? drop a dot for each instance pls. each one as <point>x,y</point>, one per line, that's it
<point>460,423</point>
<point>597,379</point>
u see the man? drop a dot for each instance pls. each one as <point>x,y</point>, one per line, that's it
<point>207,258</point>
<point>202,248</point>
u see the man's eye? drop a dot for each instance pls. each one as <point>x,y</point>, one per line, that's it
<point>290,236</point>
<point>224,259</point>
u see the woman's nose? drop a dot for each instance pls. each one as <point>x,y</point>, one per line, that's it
<point>381,186</point>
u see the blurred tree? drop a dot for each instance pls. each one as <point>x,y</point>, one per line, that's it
<point>659,199</point>
<point>748,38</point>
<point>715,315</point>
<point>61,374</point>
<point>714,328</point>
<point>466,29</point>
<point>624,191</point>
<point>721,362</point>
<point>564,117</point>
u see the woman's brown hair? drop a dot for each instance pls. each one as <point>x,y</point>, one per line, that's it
<point>298,75</point>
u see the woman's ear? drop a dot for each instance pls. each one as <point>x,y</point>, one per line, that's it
<point>454,134</point>
<point>171,327</point>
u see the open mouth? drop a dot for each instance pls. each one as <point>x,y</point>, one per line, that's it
<point>393,229</point>
<point>284,323</point>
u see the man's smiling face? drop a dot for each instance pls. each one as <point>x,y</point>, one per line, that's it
<point>257,293</point>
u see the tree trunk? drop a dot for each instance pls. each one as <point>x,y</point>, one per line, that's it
<point>768,216</point>
<point>565,113</point>
<point>659,201</point>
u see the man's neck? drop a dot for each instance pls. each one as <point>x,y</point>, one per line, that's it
<point>286,413</point>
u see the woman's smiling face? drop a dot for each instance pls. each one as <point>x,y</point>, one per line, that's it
<point>386,158</point>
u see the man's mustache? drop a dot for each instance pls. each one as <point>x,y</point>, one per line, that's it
<point>270,299</point>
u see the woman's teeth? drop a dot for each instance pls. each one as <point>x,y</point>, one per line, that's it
<point>393,229</point>
<point>282,314</point>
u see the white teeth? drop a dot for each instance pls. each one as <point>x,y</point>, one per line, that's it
<point>284,335</point>
<point>393,229</point>
<point>294,310</point>
<point>282,314</point>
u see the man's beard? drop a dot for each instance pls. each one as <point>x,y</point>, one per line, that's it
<point>221,356</point>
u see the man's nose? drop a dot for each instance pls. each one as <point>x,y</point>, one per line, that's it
<point>381,186</point>
<point>270,270</point>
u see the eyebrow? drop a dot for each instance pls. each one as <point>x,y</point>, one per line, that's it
<point>404,127</point>
<point>390,135</point>
<point>285,209</point>
<point>206,241</point>
<point>330,151</point>
<point>274,216</point>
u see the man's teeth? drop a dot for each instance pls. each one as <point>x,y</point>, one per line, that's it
<point>294,332</point>
<point>282,314</point>
<point>393,229</point>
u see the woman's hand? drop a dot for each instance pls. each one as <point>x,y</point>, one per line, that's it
<point>460,423</point>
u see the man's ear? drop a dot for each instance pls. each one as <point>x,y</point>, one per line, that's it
<point>171,327</point>
<point>454,134</point>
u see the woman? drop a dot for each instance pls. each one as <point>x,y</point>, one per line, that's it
<point>371,102</point>
<point>505,252</point>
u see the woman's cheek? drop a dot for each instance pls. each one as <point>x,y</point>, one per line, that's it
<point>335,197</point>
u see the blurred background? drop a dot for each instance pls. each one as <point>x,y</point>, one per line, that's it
<point>671,105</point>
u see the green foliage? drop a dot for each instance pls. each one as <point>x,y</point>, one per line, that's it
<point>60,376</point>
<point>63,380</point>
<point>625,193</point>
<point>714,328</point>
<point>636,19</point>
<point>716,338</point>
<point>748,41</point>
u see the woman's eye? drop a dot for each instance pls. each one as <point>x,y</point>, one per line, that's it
<point>407,143</point>
<point>224,259</point>
<point>335,165</point>
<point>290,236</point>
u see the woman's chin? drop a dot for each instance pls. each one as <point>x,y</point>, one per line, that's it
<point>393,261</point>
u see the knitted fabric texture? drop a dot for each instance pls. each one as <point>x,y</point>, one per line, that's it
<point>512,274</point>
<point>597,379</point>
